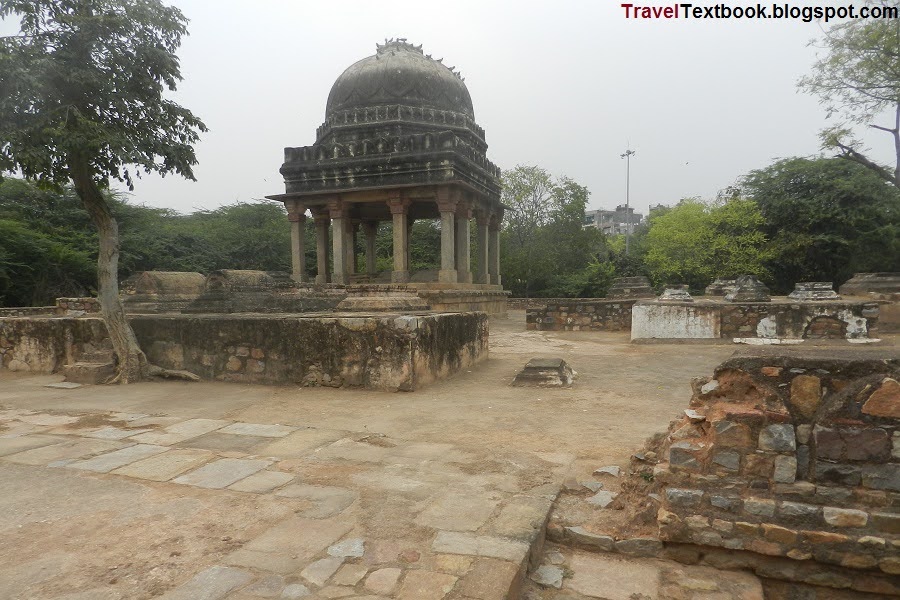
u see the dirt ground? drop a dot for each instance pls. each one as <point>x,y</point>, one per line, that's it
<point>71,535</point>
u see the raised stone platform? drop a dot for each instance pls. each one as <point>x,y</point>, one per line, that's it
<point>779,319</point>
<point>375,351</point>
<point>862,284</point>
<point>630,287</point>
<point>545,372</point>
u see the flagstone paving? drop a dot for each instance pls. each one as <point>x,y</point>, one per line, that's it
<point>372,518</point>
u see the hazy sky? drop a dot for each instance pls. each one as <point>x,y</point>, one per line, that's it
<point>564,85</point>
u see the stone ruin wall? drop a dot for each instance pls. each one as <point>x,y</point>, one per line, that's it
<point>580,315</point>
<point>794,458</point>
<point>63,306</point>
<point>385,352</point>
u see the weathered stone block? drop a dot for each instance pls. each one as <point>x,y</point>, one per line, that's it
<point>785,469</point>
<point>760,507</point>
<point>845,517</point>
<point>886,522</point>
<point>759,464</point>
<point>684,498</point>
<point>685,455</point>
<point>882,477</point>
<point>778,438</point>
<point>728,434</point>
<point>729,503</point>
<point>840,474</point>
<point>646,547</point>
<point>850,443</point>
<point>730,459</point>
<point>806,395</point>
<point>778,534</point>
<point>798,512</point>
<point>885,401</point>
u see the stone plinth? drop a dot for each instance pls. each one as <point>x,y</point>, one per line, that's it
<point>749,289</point>
<point>771,322</point>
<point>579,314</point>
<point>814,291</point>
<point>375,351</point>
<point>793,457</point>
<point>721,287</point>
<point>676,293</point>
<point>630,287</point>
<point>862,284</point>
<point>545,372</point>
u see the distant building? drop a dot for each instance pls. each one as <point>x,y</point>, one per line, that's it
<point>613,222</point>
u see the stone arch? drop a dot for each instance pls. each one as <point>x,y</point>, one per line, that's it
<point>825,327</point>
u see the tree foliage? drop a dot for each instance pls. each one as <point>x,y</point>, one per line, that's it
<point>695,242</point>
<point>82,100</point>
<point>546,248</point>
<point>827,219</point>
<point>858,81</point>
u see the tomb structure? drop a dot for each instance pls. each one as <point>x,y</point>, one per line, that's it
<point>630,287</point>
<point>814,290</point>
<point>399,143</point>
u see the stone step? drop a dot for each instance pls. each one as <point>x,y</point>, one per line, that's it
<point>89,372</point>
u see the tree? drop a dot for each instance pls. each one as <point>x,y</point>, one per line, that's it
<point>546,245</point>
<point>82,101</point>
<point>695,242</point>
<point>827,218</point>
<point>858,79</point>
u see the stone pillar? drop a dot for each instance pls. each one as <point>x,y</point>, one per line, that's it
<point>463,262</point>
<point>322,222</point>
<point>352,231</point>
<point>371,231</point>
<point>482,219</point>
<point>338,240</point>
<point>447,206</point>
<point>297,218</point>
<point>494,249</point>
<point>399,210</point>
<point>409,230</point>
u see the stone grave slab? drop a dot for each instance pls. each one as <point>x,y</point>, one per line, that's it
<point>545,372</point>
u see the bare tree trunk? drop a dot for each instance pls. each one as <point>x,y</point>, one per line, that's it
<point>132,364</point>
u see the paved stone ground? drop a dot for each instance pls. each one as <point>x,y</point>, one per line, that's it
<point>369,516</point>
<point>179,490</point>
<point>567,574</point>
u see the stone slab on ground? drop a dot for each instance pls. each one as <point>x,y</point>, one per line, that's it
<point>327,500</point>
<point>112,433</point>
<point>68,450</point>
<point>212,584</point>
<point>258,430</point>
<point>452,542</point>
<point>105,463</point>
<point>222,473</point>
<point>167,465</point>
<point>302,442</point>
<point>262,482</point>
<point>179,432</point>
<point>19,444</point>
<point>225,442</point>
<point>457,511</point>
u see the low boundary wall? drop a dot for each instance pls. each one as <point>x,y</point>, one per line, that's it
<point>383,351</point>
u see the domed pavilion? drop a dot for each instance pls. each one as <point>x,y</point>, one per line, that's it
<point>399,143</point>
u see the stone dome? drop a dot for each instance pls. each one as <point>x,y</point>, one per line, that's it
<point>399,73</point>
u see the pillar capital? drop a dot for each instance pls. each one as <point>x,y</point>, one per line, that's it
<point>296,217</point>
<point>447,199</point>
<point>464,209</point>
<point>495,219</point>
<point>337,209</point>
<point>398,205</point>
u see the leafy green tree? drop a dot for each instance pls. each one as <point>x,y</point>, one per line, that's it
<point>827,218</point>
<point>82,101</point>
<point>858,80</point>
<point>695,242</point>
<point>547,250</point>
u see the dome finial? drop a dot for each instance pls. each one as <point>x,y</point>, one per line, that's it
<point>394,44</point>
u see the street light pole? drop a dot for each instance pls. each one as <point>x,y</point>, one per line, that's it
<point>627,156</point>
